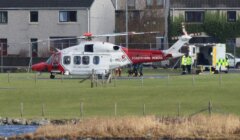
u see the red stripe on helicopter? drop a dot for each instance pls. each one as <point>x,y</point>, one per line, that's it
<point>142,56</point>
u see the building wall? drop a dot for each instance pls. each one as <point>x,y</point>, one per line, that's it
<point>102,18</point>
<point>19,30</point>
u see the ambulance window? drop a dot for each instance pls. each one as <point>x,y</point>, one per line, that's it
<point>88,48</point>
<point>77,60</point>
<point>193,50</point>
<point>229,56</point>
<point>96,60</point>
<point>66,60</point>
<point>85,60</point>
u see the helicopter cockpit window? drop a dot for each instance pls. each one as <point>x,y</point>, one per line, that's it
<point>66,60</point>
<point>96,60</point>
<point>88,48</point>
<point>49,61</point>
<point>85,60</point>
<point>77,60</point>
<point>115,48</point>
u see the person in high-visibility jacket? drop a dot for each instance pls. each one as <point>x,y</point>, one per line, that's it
<point>225,63</point>
<point>220,63</point>
<point>189,64</point>
<point>184,63</point>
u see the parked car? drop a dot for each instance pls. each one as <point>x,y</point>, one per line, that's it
<point>231,58</point>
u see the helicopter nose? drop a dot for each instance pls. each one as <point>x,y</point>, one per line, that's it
<point>39,66</point>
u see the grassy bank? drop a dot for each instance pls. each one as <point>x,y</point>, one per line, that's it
<point>150,127</point>
<point>37,97</point>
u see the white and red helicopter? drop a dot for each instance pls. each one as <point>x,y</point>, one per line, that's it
<point>102,57</point>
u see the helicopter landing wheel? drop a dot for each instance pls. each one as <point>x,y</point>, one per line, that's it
<point>52,76</point>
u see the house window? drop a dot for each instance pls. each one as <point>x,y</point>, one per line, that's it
<point>62,42</point>
<point>3,17</point>
<point>149,3</point>
<point>194,16</point>
<point>85,60</point>
<point>68,16</point>
<point>66,60</point>
<point>154,3</point>
<point>77,60</point>
<point>3,47</point>
<point>231,16</point>
<point>159,3</point>
<point>96,60</point>
<point>134,15</point>
<point>33,16</point>
<point>34,45</point>
<point>131,4</point>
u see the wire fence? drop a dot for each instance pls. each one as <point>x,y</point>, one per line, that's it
<point>115,110</point>
<point>167,75</point>
<point>40,108</point>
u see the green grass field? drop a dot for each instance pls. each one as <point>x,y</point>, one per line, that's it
<point>62,98</point>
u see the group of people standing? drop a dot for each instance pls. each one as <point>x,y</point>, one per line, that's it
<point>186,64</point>
<point>135,70</point>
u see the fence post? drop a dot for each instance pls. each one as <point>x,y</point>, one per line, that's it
<point>35,78</point>
<point>103,83</point>
<point>168,78</point>
<point>144,109</point>
<point>193,80</point>
<point>210,108</point>
<point>81,109</point>
<point>8,77</point>
<point>21,110</point>
<point>43,110</point>
<point>96,81</point>
<point>220,79</point>
<point>92,78</point>
<point>114,80</point>
<point>179,107</point>
<point>1,57</point>
<point>115,109</point>
<point>61,77</point>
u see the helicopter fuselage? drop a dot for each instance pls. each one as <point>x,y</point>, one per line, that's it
<point>100,57</point>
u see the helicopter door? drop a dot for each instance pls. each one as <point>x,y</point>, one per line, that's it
<point>56,61</point>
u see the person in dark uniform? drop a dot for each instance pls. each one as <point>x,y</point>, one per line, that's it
<point>188,63</point>
<point>140,69</point>
<point>135,69</point>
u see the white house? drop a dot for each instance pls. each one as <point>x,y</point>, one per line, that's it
<point>25,21</point>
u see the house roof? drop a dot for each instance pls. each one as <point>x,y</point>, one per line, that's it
<point>44,3</point>
<point>205,3</point>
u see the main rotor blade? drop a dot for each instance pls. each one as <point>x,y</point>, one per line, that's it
<point>124,34</point>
